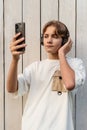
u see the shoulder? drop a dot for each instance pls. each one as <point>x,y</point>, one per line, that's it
<point>77,65</point>
<point>75,61</point>
<point>35,65</point>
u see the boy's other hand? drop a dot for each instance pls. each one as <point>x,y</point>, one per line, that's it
<point>66,47</point>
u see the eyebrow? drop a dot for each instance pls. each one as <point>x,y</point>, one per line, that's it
<point>52,33</point>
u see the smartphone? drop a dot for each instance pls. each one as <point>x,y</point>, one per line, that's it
<point>20,27</point>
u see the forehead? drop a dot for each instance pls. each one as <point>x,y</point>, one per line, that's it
<point>50,30</point>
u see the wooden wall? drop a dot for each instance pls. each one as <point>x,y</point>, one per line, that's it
<point>36,13</point>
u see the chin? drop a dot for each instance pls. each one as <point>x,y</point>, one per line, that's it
<point>50,50</point>
<point>53,53</point>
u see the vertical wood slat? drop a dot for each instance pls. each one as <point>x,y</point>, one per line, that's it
<point>13,107</point>
<point>81,99</point>
<point>32,18</point>
<point>67,15</point>
<point>1,69</point>
<point>49,11</point>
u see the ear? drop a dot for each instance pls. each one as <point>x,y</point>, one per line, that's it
<point>41,40</point>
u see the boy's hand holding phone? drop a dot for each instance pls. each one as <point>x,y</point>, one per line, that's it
<point>18,45</point>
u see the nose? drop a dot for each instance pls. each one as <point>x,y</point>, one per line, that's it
<point>49,40</point>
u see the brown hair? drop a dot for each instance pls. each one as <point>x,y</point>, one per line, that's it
<point>61,30</point>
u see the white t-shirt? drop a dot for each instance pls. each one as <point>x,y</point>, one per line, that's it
<point>45,109</point>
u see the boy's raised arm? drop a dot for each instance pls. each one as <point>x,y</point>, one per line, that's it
<point>12,84</point>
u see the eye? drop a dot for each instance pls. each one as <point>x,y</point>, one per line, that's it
<point>55,36</point>
<point>46,36</point>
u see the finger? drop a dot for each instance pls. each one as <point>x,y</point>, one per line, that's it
<point>15,48</point>
<point>20,46</point>
<point>15,36</point>
<point>70,45</point>
<point>17,41</point>
<point>18,52</point>
<point>69,40</point>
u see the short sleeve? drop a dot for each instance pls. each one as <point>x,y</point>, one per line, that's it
<point>80,72</point>
<point>23,83</point>
<point>24,80</point>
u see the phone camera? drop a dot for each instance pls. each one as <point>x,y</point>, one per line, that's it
<point>16,26</point>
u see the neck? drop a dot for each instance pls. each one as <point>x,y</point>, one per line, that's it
<point>53,56</point>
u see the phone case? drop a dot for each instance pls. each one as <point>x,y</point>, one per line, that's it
<point>20,27</point>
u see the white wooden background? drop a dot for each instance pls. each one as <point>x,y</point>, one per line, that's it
<point>36,13</point>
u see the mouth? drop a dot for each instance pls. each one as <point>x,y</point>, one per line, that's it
<point>49,46</point>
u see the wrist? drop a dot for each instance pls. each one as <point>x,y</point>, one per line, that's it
<point>61,54</point>
<point>15,59</point>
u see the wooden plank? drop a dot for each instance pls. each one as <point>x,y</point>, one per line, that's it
<point>13,107</point>
<point>49,11</point>
<point>67,16</point>
<point>1,69</point>
<point>31,16</point>
<point>81,106</point>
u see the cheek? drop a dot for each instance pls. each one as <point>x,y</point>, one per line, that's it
<point>44,41</point>
<point>58,43</point>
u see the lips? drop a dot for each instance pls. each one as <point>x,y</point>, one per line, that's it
<point>49,46</point>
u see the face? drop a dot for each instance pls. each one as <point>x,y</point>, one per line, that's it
<point>52,42</point>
